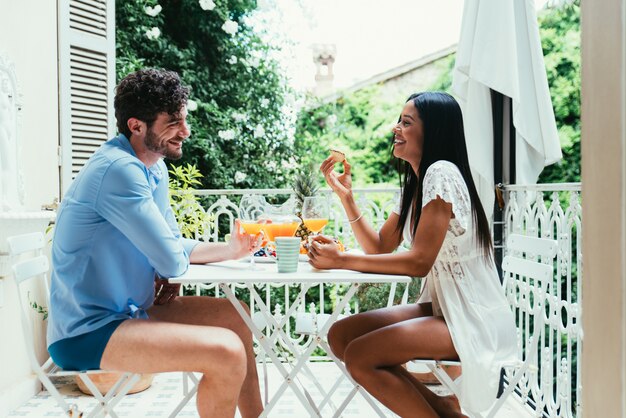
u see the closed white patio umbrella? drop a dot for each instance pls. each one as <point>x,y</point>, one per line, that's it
<point>500,49</point>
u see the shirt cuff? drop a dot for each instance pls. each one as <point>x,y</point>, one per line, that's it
<point>189,245</point>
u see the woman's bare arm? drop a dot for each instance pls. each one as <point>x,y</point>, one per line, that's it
<point>372,242</point>
<point>418,261</point>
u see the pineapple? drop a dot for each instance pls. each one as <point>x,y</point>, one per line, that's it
<point>305,184</point>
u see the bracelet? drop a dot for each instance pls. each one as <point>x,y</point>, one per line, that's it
<point>356,219</point>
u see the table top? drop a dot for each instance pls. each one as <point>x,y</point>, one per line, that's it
<point>240,272</point>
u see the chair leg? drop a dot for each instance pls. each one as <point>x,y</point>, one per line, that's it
<point>47,383</point>
<point>188,395</point>
<point>108,401</point>
<point>97,410</point>
<point>443,377</point>
<point>120,390</point>
<point>510,387</point>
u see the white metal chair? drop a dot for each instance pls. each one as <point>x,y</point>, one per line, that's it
<point>528,271</point>
<point>36,267</point>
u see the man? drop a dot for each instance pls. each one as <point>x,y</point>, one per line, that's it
<point>115,233</point>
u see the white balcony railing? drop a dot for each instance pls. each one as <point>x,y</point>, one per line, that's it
<point>222,206</point>
<point>552,210</point>
<point>376,205</point>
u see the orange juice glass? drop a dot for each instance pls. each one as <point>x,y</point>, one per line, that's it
<point>252,228</point>
<point>280,229</point>
<point>315,225</point>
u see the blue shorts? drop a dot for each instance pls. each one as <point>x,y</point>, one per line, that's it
<point>84,351</point>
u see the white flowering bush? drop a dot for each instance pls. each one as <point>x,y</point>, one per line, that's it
<point>230,27</point>
<point>240,177</point>
<point>242,128</point>
<point>227,135</point>
<point>207,4</point>
<point>153,11</point>
<point>153,33</point>
<point>259,131</point>
<point>192,106</point>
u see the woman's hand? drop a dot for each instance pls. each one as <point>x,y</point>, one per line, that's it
<point>340,183</point>
<point>324,253</point>
<point>242,244</point>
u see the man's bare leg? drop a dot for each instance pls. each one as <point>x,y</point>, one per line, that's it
<point>218,312</point>
<point>150,346</point>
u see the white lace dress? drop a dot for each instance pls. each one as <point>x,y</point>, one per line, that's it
<point>465,289</point>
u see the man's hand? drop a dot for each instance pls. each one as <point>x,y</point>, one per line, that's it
<point>242,244</point>
<point>164,292</point>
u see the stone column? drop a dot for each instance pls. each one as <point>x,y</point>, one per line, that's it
<point>604,205</point>
<point>324,57</point>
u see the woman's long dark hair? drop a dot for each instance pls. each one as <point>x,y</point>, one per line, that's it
<point>444,139</point>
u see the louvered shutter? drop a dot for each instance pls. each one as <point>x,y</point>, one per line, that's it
<point>86,81</point>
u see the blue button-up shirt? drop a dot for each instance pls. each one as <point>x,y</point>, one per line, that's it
<point>114,230</point>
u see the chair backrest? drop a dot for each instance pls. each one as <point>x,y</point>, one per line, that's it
<point>32,268</point>
<point>528,274</point>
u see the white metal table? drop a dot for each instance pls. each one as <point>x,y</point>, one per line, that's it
<point>230,273</point>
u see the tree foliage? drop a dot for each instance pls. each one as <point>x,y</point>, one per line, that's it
<point>362,119</point>
<point>560,38</point>
<point>357,123</point>
<point>241,135</point>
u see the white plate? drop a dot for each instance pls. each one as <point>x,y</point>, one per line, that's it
<point>259,259</point>
<point>264,259</point>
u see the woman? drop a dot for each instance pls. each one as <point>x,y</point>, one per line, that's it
<point>462,312</point>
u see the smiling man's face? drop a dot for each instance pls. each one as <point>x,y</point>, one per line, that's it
<point>167,133</point>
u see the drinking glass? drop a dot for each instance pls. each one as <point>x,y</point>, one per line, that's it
<point>281,221</point>
<point>315,212</point>
<point>251,209</point>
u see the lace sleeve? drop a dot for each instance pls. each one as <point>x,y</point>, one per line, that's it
<point>444,180</point>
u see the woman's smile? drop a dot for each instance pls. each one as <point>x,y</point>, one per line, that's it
<point>398,141</point>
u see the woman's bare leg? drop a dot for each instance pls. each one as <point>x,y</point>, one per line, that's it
<point>446,406</point>
<point>373,360</point>
<point>348,329</point>
<point>218,312</point>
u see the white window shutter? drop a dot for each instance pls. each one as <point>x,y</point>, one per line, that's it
<point>86,81</point>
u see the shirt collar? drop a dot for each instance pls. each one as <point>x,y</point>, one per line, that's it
<point>125,144</point>
<point>155,173</point>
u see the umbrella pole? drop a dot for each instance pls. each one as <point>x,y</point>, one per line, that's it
<point>503,164</point>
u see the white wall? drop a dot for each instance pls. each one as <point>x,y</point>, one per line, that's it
<point>28,38</point>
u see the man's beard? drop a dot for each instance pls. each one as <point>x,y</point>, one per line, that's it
<point>153,144</point>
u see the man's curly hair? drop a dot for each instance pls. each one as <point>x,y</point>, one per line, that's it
<point>146,93</point>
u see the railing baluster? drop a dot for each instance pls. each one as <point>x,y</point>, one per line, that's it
<point>553,210</point>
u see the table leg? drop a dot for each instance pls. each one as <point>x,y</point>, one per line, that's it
<point>268,343</point>
<point>295,349</point>
<point>303,357</point>
<point>265,345</point>
<point>321,341</point>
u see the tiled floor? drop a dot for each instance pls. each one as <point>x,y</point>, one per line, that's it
<point>166,392</point>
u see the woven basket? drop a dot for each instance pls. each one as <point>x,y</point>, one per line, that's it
<point>105,381</point>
